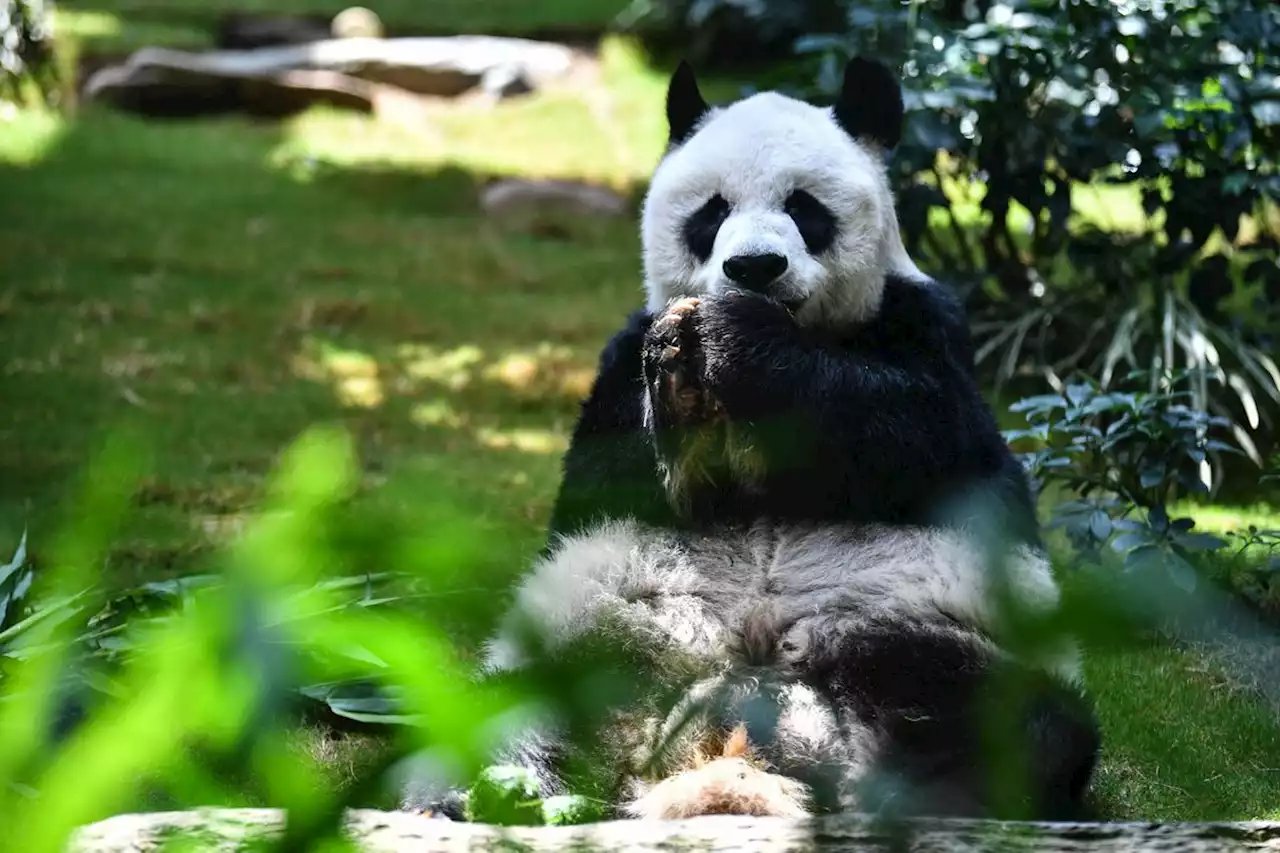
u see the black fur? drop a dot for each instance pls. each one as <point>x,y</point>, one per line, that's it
<point>685,105</point>
<point>878,422</point>
<point>701,228</point>
<point>869,106</point>
<point>815,222</point>
<point>933,693</point>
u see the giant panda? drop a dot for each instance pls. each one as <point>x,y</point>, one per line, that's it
<point>770,490</point>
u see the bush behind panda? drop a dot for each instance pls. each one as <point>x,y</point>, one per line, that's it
<point>767,490</point>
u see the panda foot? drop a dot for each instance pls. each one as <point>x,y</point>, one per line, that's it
<point>673,362</point>
<point>726,786</point>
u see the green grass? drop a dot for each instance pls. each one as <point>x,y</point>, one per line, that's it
<point>128,24</point>
<point>439,15</point>
<point>227,284</point>
<point>1181,742</point>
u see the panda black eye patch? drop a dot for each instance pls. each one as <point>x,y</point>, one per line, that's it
<point>702,226</point>
<point>816,223</point>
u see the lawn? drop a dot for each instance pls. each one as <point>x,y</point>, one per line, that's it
<point>126,24</point>
<point>226,284</point>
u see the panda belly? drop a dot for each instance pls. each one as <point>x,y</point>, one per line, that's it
<point>725,595</point>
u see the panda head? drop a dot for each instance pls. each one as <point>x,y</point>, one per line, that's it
<point>775,195</point>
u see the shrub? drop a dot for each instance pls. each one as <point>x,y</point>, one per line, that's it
<point>1121,458</point>
<point>27,66</point>
<point>728,33</point>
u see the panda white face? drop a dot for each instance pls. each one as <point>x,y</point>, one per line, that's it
<point>774,195</point>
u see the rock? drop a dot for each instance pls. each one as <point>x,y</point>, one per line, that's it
<point>399,832</point>
<point>516,198</point>
<point>160,81</point>
<point>175,84</point>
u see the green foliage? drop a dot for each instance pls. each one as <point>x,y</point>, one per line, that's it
<point>720,33</point>
<point>15,583</point>
<point>26,50</point>
<point>1123,456</point>
<point>111,699</point>
<point>1031,100</point>
<point>505,795</point>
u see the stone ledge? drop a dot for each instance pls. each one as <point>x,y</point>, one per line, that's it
<point>396,832</point>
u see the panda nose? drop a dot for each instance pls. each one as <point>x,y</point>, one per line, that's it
<point>755,272</point>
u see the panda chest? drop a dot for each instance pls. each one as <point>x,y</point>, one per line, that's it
<point>788,574</point>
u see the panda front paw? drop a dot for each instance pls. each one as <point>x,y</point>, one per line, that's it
<point>686,422</point>
<point>673,363</point>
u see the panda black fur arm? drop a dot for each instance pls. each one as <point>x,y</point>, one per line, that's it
<point>882,422</point>
<point>610,470</point>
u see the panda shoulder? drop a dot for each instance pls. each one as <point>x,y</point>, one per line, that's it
<point>620,359</point>
<point>626,342</point>
<point>924,307</point>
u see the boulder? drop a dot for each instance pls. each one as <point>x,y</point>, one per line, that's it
<point>515,198</point>
<point>442,67</point>
<point>176,84</point>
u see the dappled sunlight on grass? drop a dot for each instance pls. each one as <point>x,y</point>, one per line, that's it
<point>437,413</point>
<point>546,375</point>
<point>82,24</point>
<point>547,371</point>
<point>353,374</point>
<point>80,31</point>
<point>451,368</point>
<point>544,372</point>
<point>29,136</point>
<point>524,440</point>
<point>1223,519</point>
<point>230,305</point>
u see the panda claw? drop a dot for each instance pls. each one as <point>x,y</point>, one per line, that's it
<point>683,395</point>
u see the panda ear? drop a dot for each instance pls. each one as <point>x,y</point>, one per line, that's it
<point>870,103</point>
<point>685,104</point>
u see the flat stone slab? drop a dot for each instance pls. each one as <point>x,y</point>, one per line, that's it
<point>514,198</point>
<point>398,832</point>
<point>338,70</point>
<point>175,86</point>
